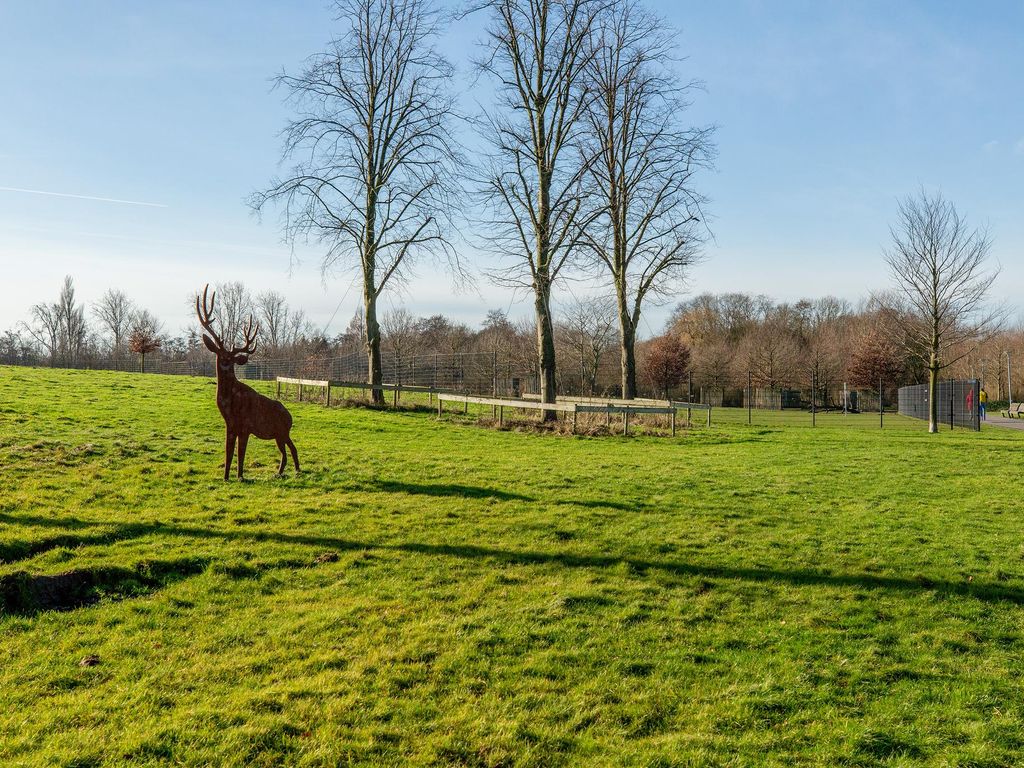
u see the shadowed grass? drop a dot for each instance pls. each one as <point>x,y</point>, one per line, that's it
<point>439,593</point>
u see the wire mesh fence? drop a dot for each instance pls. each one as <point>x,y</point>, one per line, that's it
<point>734,399</point>
<point>958,403</point>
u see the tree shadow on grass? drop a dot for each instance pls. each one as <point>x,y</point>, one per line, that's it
<point>989,592</point>
<point>445,489</point>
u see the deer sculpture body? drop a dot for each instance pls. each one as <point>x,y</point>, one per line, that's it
<point>246,412</point>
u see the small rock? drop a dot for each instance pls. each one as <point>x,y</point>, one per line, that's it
<point>89,661</point>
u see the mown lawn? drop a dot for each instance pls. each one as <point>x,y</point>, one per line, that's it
<point>437,593</point>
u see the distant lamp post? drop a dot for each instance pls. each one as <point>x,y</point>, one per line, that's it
<point>1009,380</point>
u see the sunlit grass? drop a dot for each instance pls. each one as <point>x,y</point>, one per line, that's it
<point>442,593</point>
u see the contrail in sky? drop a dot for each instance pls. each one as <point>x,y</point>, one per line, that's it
<point>82,197</point>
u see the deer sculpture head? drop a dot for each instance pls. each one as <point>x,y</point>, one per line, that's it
<point>227,358</point>
<point>246,412</point>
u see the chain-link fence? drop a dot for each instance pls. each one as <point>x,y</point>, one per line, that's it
<point>957,401</point>
<point>478,373</point>
<point>735,399</point>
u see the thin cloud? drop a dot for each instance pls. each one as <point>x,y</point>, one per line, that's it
<point>82,197</point>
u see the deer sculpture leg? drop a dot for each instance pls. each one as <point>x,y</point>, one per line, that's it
<point>284,456</point>
<point>243,441</point>
<point>229,450</point>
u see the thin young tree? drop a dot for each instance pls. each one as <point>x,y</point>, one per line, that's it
<point>652,226</point>
<point>537,51</point>
<point>941,275</point>
<point>373,178</point>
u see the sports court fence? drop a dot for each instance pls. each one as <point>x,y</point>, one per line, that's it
<point>958,403</point>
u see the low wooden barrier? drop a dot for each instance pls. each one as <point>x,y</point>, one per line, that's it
<point>678,405</point>
<point>498,406</point>
<point>300,383</point>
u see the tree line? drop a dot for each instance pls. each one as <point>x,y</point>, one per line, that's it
<point>709,346</point>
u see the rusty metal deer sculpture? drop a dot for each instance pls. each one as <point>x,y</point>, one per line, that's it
<point>245,411</point>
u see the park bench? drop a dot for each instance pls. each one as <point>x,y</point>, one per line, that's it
<point>1015,411</point>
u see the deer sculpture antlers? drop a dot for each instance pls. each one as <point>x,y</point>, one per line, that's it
<point>246,412</point>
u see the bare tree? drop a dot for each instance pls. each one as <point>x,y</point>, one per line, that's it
<point>537,51</point>
<point>71,321</point>
<point>272,312</point>
<point>400,335</point>
<point>373,179</point>
<point>45,329</point>
<point>60,328</point>
<point>939,267</point>
<point>650,231</point>
<point>235,309</point>
<point>587,330</point>
<point>114,310</point>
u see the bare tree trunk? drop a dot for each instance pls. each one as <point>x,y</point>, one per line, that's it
<point>627,350</point>
<point>374,368</point>
<point>545,346</point>
<point>933,391</point>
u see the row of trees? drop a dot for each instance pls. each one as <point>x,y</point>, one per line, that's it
<point>587,166</point>
<point>114,328</point>
<point>710,341</point>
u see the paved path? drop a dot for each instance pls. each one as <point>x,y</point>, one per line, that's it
<point>999,421</point>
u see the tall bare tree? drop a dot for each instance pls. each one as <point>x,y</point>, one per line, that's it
<point>114,310</point>
<point>373,177</point>
<point>941,276</point>
<point>537,51</point>
<point>651,230</point>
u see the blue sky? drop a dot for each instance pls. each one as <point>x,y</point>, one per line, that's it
<point>827,113</point>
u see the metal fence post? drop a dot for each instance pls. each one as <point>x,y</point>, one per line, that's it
<point>814,397</point>
<point>952,402</point>
<point>749,397</point>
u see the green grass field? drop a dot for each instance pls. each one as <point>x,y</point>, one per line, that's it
<point>441,593</point>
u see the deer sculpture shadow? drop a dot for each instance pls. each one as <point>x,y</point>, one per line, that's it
<point>246,412</point>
